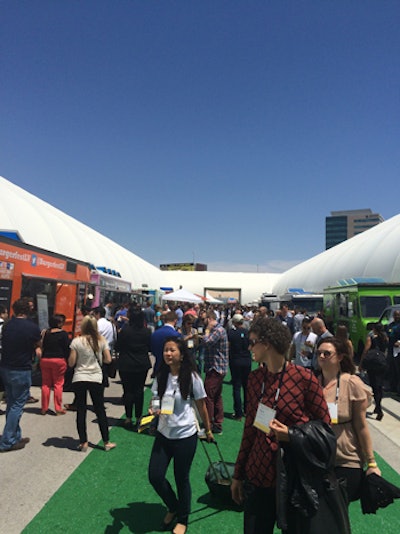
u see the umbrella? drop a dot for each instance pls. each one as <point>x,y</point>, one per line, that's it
<point>182,295</point>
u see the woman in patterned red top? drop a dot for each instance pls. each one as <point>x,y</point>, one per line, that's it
<point>280,395</point>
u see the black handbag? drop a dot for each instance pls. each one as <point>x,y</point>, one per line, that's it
<point>374,360</point>
<point>112,366</point>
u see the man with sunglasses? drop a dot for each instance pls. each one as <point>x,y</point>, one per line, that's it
<point>303,344</point>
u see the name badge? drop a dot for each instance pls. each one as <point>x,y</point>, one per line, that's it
<point>332,407</point>
<point>200,329</point>
<point>190,343</point>
<point>264,416</point>
<point>167,405</point>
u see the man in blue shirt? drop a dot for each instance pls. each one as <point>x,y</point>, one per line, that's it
<point>159,336</point>
<point>20,339</point>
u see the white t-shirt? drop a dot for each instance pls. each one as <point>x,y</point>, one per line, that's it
<point>181,424</point>
<point>87,368</point>
<point>106,329</point>
<point>304,345</point>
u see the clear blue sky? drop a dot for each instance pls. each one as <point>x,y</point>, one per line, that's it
<point>223,131</point>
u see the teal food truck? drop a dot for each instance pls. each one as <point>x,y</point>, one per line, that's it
<point>355,302</point>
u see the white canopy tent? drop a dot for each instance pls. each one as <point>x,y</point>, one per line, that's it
<point>181,295</point>
<point>211,299</point>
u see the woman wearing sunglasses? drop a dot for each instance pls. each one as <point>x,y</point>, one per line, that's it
<point>347,398</point>
<point>282,398</point>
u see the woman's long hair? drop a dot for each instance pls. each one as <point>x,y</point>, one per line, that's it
<point>89,329</point>
<point>380,333</point>
<point>188,366</point>
<point>342,349</point>
<point>136,317</point>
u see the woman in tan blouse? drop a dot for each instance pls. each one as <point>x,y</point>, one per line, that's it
<point>347,398</point>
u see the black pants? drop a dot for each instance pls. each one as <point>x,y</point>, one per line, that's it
<point>133,385</point>
<point>240,370</point>
<point>97,395</point>
<point>353,477</point>
<point>259,510</point>
<point>376,381</point>
<point>182,451</point>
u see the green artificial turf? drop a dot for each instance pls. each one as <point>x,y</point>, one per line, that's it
<point>109,492</point>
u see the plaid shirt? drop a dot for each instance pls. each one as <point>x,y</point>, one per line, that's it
<point>301,399</point>
<point>216,353</point>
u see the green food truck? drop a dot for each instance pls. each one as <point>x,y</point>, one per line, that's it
<point>355,302</point>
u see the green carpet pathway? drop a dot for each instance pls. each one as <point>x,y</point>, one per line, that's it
<point>109,492</point>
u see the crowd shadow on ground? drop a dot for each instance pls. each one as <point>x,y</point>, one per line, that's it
<point>141,517</point>
<point>138,517</point>
<point>63,442</point>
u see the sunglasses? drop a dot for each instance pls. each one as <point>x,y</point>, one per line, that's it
<point>325,353</point>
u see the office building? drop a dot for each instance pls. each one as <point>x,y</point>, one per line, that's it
<point>342,225</point>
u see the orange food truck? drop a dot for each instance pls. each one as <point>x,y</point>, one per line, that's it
<point>56,283</point>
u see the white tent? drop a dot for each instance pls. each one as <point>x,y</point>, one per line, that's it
<point>371,254</point>
<point>181,295</point>
<point>211,299</point>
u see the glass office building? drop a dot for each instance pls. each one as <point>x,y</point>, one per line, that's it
<point>342,225</point>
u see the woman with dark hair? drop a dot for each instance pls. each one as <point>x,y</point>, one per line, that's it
<point>376,340</point>
<point>176,384</point>
<point>189,334</point>
<point>342,334</point>
<point>53,363</point>
<point>348,398</point>
<point>280,395</point>
<point>133,345</point>
<point>88,353</point>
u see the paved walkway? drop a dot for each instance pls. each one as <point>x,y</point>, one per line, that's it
<point>27,482</point>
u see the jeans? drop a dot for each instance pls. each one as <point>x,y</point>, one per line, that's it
<point>17,384</point>
<point>240,370</point>
<point>182,451</point>
<point>96,391</point>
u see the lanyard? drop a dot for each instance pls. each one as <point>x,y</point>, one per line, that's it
<point>337,386</point>
<point>279,386</point>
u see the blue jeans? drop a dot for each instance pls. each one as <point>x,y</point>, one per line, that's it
<point>17,384</point>
<point>182,452</point>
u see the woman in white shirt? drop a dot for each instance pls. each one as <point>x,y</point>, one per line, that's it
<point>176,383</point>
<point>88,353</point>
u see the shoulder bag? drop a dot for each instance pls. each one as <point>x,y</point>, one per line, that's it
<point>374,360</point>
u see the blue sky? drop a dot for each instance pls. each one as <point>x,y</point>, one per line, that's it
<point>219,131</point>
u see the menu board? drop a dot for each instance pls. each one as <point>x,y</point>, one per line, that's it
<point>6,270</point>
<point>5,293</point>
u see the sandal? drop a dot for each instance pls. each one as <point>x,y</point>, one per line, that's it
<point>83,447</point>
<point>167,525</point>
<point>108,446</point>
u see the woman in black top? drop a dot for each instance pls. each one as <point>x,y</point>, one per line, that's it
<point>53,364</point>
<point>133,345</point>
<point>377,339</point>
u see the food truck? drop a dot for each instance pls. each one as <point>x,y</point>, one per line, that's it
<point>55,283</point>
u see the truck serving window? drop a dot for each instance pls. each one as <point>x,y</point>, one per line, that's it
<point>373,306</point>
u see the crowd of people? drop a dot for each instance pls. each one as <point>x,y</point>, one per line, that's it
<point>303,400</point>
